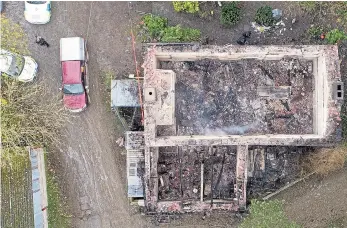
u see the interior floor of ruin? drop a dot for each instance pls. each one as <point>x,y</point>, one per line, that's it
<point>272,167</point>
<point>179,172</point>
<point>216,97</point>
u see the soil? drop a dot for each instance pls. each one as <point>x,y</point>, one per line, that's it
<point>89,163</point>
<point>219,34</point>
<point>318,202</point>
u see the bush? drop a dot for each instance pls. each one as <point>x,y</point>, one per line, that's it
<point>264,16</point>
<point>231,13</point>
<point>155,25</point>
<point>179,34</point>
<point>326,161</point>
<point>189,7</point>
<point>267,214</point>
<point>335,36</point>
<point>30,115</point>
<point>156,28</point>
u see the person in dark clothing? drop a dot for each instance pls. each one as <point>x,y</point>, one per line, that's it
<point>41,41</point>
<point>243,39</point>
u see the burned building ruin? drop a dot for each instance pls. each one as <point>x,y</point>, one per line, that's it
<point>216,117</point>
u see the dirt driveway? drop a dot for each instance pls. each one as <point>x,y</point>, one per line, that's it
<point>91,167</point>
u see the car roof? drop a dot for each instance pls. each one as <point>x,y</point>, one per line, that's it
<point>37,2</point>
<point>71,72</point>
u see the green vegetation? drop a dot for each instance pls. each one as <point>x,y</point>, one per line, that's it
<point>107,76</point>
<point>186,6</point>
<point>334,36</point>
<point>231,13</point>
<point>57,215</point>
<point>13,37</point>
<point>341,11</point>
<point>339,222</point>
<point>30,116</point>
<point>315,31</point>
<point>267,214</point>
<point>155,25</point>
<point>308,6</point>
<point>326,161</point>
<point>264,16</point>
<point>156,29</point>
<point>179,34</point>
<point>16,195</point>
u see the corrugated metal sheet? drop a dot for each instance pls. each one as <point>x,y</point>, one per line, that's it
<point>124,93</point>
<point>135,173</point>
<point>39,187</point>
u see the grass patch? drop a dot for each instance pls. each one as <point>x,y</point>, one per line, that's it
<point>315,31</point>
<point>57,215</point>
<point>326,161</point>
<point>13,37</point>
<point>340,9</point>
<point>308,6</point>
<point>107,77</point>
<point>340,222</point>
<point>179,34</point>
<point>265,214</point>
<point>16,190</point>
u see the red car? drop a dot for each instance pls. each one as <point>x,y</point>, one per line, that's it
<point>73,58</point>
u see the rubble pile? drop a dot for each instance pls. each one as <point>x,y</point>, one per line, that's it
<point>278,167</point>
<point>220,175</point>
<point>179,172</point>
<point>216,97</point>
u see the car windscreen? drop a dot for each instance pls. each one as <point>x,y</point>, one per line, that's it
<point>36,2</point>
<point>16,66</point>
<point>73,89</point>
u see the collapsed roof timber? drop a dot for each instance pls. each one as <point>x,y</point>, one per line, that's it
<point>208,110</point>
